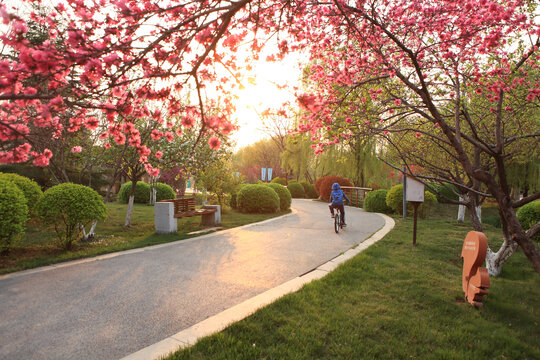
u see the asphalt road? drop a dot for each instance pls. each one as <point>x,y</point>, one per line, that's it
<point>118,304</point>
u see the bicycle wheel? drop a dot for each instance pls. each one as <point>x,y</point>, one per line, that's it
<point>337,222</point>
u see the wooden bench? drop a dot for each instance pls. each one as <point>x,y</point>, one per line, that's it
<point>185,207</point>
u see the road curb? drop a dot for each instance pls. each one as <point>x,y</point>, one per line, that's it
<point>218,322</point>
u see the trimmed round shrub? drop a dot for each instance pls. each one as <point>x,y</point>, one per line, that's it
<point>68,207</point>
<point>13,214</point>
<point>296,189</point>
<point>163,192</point>
<point>375,201</point>
<point>528,215</point>
<point>279,180</point>
<point>31,190</point>
<point>256,198</point>
<point>310,190</point>
<point>394,200</point>
<point>425,208</point>
<point>284,194</point>
<point>325,188</point>
<point>142,193</point>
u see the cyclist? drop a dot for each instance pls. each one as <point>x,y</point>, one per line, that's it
<point>336,198</point>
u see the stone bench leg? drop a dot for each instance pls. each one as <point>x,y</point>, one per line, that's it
<point>214,218</point>
<point>164,220</point>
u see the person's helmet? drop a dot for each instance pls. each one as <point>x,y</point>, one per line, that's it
<point>336,186</point>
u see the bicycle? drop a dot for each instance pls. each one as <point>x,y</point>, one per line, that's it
<point>337,220</point>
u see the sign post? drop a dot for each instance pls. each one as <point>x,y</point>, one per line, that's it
<point>415,194</point>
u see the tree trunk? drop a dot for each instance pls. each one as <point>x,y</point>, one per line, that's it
<point>127,223</point>
<point>461,210</point>
<point>494,261</point>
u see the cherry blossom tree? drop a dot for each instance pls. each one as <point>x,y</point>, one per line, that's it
<point>108,61</point>
<point>424,62</point>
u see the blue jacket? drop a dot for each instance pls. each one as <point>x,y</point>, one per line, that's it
<point>337,195</point>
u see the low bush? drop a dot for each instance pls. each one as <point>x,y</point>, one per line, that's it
<point>394,200</point>
<point>309,190</point>
<point>296,190</point>
<point>142,193</point>
<point>325,187</point>
<point>426,207</point>
<point>164,192</point>
<point>13,214</point>
<point>68,207</point>
<point>375,201</point>
<point>256,198</point>
<point>528,215</point>
<point>31,190</point>
<point>284,194</point>
<point>279,180</point>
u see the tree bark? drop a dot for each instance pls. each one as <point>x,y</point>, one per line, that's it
<point>461,210</point>
<point>495,261</point>
<point>127,223</point>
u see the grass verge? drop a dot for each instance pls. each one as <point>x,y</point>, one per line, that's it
<point>394,301</point>
<point>37,247</point>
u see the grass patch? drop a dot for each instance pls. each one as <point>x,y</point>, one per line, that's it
<point>37,246</point>
<point>394,301</point>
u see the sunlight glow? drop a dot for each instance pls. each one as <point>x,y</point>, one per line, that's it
<point>262,91</point>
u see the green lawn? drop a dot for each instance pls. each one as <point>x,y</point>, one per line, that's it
<point>37,247</point>
<point>395,301</point>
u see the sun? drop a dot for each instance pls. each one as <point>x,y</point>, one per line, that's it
<point>268,86</point>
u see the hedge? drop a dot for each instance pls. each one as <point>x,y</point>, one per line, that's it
<point>375,201</point>
<point>256,198</point>
<point>68,206</point>
<point>394,200</point>
<point>309,190</point>
<point>528,215</point>
<point>164,192</point>
<point>142,193</point>
<point>279,180</point>
<point>296,189</point>
<point>31,190</point>
<point>13,214</point>
<point>284,194</point>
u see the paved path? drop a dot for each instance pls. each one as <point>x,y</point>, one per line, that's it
<point>112,306</point>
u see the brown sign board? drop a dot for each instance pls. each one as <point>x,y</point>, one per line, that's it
<point>475,278</point>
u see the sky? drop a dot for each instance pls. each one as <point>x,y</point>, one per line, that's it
<point>263,93</point>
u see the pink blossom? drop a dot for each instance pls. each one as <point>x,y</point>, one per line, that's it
<point>187,121</point>
<point>76,149</point>
<point>151,170</point>
<point>158,154</point>
<point>397,102</point>
<point>214,142</point>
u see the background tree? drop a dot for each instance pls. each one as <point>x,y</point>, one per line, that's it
<point>219,179</point>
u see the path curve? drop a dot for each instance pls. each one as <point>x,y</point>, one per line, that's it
<point>115,305</point>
